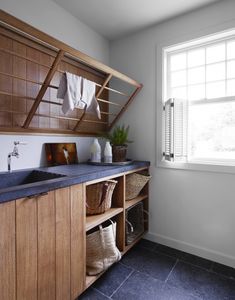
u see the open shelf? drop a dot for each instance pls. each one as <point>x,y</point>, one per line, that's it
<point>128,247</point>
<point>93,221</point>
<point>134,201</point>
<point>92,279</point>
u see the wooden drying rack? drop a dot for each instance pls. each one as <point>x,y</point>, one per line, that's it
<point>31,64</point>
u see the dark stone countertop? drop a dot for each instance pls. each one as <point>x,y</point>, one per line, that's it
<point>74,174</point>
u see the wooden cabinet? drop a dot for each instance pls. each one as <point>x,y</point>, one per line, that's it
<point>42,246</point>
<point>43,241</point>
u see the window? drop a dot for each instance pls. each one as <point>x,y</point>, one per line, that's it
<point>199,101</point>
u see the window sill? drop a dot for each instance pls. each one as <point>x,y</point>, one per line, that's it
<point>195,166</point>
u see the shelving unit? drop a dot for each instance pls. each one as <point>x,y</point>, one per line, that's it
<point>118,213</point>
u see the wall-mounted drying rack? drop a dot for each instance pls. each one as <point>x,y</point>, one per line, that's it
<point>31,64</point>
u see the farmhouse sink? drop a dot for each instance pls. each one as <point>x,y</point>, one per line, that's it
<point>25,177</point>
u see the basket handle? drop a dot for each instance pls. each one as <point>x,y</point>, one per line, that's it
<point>130,225</point>
<point>147,213</point>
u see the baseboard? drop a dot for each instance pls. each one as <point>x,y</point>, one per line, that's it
<point>193,249</point>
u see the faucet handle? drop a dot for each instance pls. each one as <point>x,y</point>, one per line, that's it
<point>20,143</point>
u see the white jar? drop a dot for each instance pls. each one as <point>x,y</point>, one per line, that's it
<point>108,157</point>
<point>95,151</point>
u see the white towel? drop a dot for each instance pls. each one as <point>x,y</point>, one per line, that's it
<point>77,92</point>
<point>70,90</point>
<point>88,97</point>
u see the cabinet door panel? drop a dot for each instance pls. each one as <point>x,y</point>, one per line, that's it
<point>7,251</point>
<point>26,248</point>
<point>63,243</point>
<point>46,247</point>
<point>78,238</point>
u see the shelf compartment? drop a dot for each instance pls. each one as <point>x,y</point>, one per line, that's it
<point>127,248</point>
<point>91,279</point>
<point>134,201</point>
<point>95,220</point>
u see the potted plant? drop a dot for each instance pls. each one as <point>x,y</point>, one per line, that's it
<point>119,139</point>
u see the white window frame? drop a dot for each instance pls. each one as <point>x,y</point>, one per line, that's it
<point>160,96</point>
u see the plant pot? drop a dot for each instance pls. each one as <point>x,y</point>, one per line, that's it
<point>119,153</point>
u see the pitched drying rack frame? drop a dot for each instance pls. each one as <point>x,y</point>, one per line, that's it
<point>13,29</point>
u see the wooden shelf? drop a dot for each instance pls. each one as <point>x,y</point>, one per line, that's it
<point>93,221</point>
<point>127,248</point>
<point>92,279</point>
<point>134,201</point>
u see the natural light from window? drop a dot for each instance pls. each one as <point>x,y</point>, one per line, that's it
<point>203,76</point>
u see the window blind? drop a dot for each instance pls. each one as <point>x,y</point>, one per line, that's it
<point>175,112</point>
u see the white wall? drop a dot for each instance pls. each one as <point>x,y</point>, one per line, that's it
<point>54,20</point>
<point>189,210</point>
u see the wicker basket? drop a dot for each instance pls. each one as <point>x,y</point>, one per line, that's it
<point>99,197</point>
<point>101,249</point>
<point>134,184</point>
<point>134,222</point>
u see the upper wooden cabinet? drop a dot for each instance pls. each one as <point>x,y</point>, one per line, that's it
<point>31,64</point>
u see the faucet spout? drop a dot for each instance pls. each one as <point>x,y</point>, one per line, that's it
<point>9,162</point>
<point>15,153</point>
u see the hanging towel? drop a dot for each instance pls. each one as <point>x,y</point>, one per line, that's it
<point>70,90</point>
<point>88,97</point>
<point>78,92</point>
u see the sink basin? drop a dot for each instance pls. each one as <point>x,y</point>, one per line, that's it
<point>25,177</point>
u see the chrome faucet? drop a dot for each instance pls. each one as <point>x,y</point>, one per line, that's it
<point>15,153</point>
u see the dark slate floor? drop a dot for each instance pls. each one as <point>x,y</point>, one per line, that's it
<point>152,271</point>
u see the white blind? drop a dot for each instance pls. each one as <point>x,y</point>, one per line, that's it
<point>175,132</point>
<point>168,116</point>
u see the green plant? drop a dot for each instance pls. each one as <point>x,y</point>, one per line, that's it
<point>119,136</point>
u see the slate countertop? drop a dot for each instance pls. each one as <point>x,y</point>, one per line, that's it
<point>74,174</point>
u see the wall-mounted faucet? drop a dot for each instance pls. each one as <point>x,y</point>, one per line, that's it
<point>15,153</point>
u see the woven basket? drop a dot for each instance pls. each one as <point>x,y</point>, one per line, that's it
<point>99,197</point>
<point>101,249</point>
<point>134,184</point>
<point>134,222</point>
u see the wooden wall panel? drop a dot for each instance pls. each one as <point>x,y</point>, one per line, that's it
<point>26,248</point>
<point>63,244</point>
<point>78,240</point>
<point>44,108</point>
<point>46,247</point>
<point>32,65</point>
<point>19,86</point>
<point>5,82</point>
<point>32,74</point>
<point>7,251</point>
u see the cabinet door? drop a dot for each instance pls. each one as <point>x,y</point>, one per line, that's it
<point>50,245</point>
<point>78,240</point>
<point>46,246</point>
<point>7,251</point>
<point>35,247</point>
<point>26,248</point>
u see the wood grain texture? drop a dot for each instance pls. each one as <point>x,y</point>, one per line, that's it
<point>63,244</point>
<point>78,240</point>
<point>7,251</point>
<point>37,53</point>
<point>46,247</point>
<point>60,45</point>
<point>43,88</point>
<point>26,248</point>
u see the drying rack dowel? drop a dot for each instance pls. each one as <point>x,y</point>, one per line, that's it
<point>44,87</point>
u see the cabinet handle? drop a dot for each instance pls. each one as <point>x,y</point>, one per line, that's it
<point>37,195</point>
